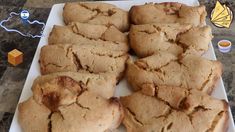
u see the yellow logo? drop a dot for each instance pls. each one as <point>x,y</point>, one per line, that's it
<point>221,15</point>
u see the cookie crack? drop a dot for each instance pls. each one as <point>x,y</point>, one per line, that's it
<point>50,120</point>
<point>169,126</point>
<point>80,105</point>
<point>197,48</point>
<point>181,104</point>
<point>83,107</point>
<point>147,32</point>
<point>167,12</point>
<point>87,81</point>
<point>182,64</point>
<point>183,32</point>
<point>187,47</point>
<point>165,102</point>
<point>195,110</point>
<point>77,61</point>
<point>92,16</point>
<point>206,82</point>
<point>167,36</point>
<point>141,64</point>
<point>183,45</point>
<point>87,68</point>
<point>53,65</point>
<point>84,6</point>
<point>144,65</point>
<point>108,55</point>
<point>164,32</point>
<point>108,13</point>
<point>68,50</point>
<point>83,86</point>
<point>49,125</point>
<point>134,116</point>
<point>76,31</point>
<point>215,121</point>
<point>165,115</point>
<point>59,112</point>
<point>157,28</point>
<point>159,69</point>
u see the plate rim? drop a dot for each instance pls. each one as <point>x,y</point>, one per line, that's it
<point>39,48</point>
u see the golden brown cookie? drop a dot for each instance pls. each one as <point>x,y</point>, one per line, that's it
<point>97,114</point>
<point>196,40</point>
<point>168,12</point>
<point>33,116</point>
<point>89,34</point>
<point>67,107</point>
<point>174,38</point>
<point>174,109</point>
<point>89,113</point>
<point>89,58</point>
<point>189,71</point>
<point>96,13</point>
<point>101,84</point>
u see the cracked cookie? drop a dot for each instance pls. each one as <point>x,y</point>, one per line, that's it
<point>96,13</point>
<point>89,34</point>
<point>101,84</point>
<point>67,107</point>
<point>174,109</point>
<point>168,12</point>
<point>189,71</point>
<point>174,38</point>
<point>74,58</point>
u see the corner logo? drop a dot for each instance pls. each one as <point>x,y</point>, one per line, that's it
<point>221,15</point>
<point>24,14</point>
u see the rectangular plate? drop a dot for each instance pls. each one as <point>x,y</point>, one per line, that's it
<point>55,18</point>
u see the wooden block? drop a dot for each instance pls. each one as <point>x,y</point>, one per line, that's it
<point>15,57</point>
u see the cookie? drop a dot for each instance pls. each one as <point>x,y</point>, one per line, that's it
<point>33,116</point>
<point>90,34</point>
<point>174,109</point>
<point>174,38</point>
<point>189,71</point>
<point>66,104</point>
<point>74,58</point>
<point>196,40</point>
<point>101,84</point>
<point>89,113</point>
<point>73,114</point>
<point>96,13</point>
<point>168,12</point>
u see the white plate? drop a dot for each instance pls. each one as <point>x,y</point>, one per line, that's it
<point>55,18</point>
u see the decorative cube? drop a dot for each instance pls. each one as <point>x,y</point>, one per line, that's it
<point>15,57</point>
